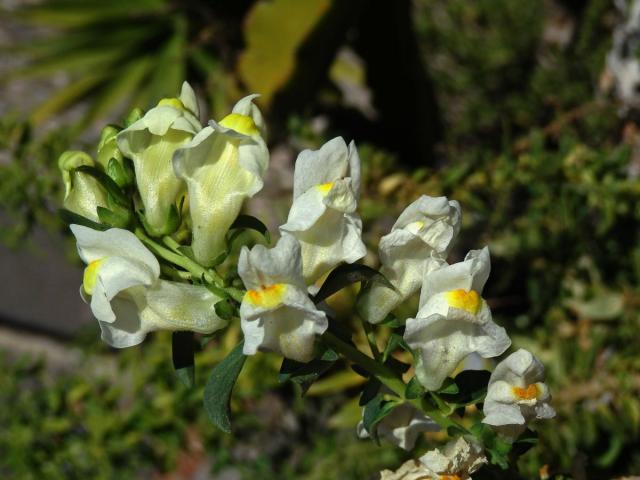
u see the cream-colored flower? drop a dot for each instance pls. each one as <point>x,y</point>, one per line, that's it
<point>83,193</point>
<point>150,143</point>
<point>453,320</point>
<point>323,216</point>
<point>402,426</point>
<point>223,166</point>
<point>276,313</point>
<point>424,231</point>
<point>457,460</point>
<point>517,394</point>
<point>122,284</point>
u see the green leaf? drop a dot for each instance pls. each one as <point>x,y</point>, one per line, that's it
<point>183,354</point>
<point>345,275</point>
<point>217,392</point>
<point>304,374</point>
<point>107,183</point>
<point>374,412</point>
<point>244,222</point>
<point>391,321</point>
<point>70,218</point>
<point>414,389</point>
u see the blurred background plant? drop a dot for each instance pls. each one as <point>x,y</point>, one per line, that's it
<point>505,106</point>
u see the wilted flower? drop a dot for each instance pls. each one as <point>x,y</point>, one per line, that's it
<point>323,215</point>
<point>453,320</point>
<point>223,165</point>
<point>425,229</point>
<point>402,426</point>
<point>83,193</point>
<point>517,394</point>
<point>127,296</point>
<point>151,142</point>
<point>276,314</point>
<point>457,461</point>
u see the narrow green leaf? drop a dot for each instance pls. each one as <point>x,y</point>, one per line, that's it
<point>70,218</point>
<point>304,374</point>
<point>496,447</point>
<point>217,392</point>
<point>449,386</point>
<point>370,390</point>
<point>345,275</point>
<point>183,355</point>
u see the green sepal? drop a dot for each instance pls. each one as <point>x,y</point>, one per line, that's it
<point>70,218</point>
<point>414,389</point>
<point>119,219</point>
<point>395,341</point>
<point>217,392</point>
<point>225,309</point>
<point>391,321</point>
<point>134,115</point>
<point>183,356</point>
<point>304,374</point>
<point>449,387</point>
<point>107,183</point>
<point>121,173</point>
<point>496,447</point>
<point>345,275</point>
<point>171,225</point>
<point>374,412</point>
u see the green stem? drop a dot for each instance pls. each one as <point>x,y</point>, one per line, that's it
<point>194,268</point>
<point>388,378</point>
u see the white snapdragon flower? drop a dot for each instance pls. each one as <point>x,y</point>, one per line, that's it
<point>83,194</point>
<point>517,394</point>
<point>122,283</point>
<point>402,426</point>
<point>276,314</point>
<point>426,229</point>
<point>457,460</point>
<point>150,143</point>
<point>223,166</point>
<point>453,320</point>
<point>323,215</point>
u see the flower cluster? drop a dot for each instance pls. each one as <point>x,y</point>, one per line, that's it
<point>156,217</point>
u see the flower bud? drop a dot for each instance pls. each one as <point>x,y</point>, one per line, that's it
<point>110,157</point>
<point>83,193</point>
<point>150,143</point>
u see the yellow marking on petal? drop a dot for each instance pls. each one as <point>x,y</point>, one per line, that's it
<point>266,296</point>
<point>240,123</point>
<point>325,188</point>
<point>172,102</point>
<point>529,392</point>
<point>469,301</point>
<point>91,275</point>
<point>449,477</point>
<point>414,227</point>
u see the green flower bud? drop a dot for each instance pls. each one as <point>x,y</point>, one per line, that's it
<point>83,193</point>
<point>111,159</point>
